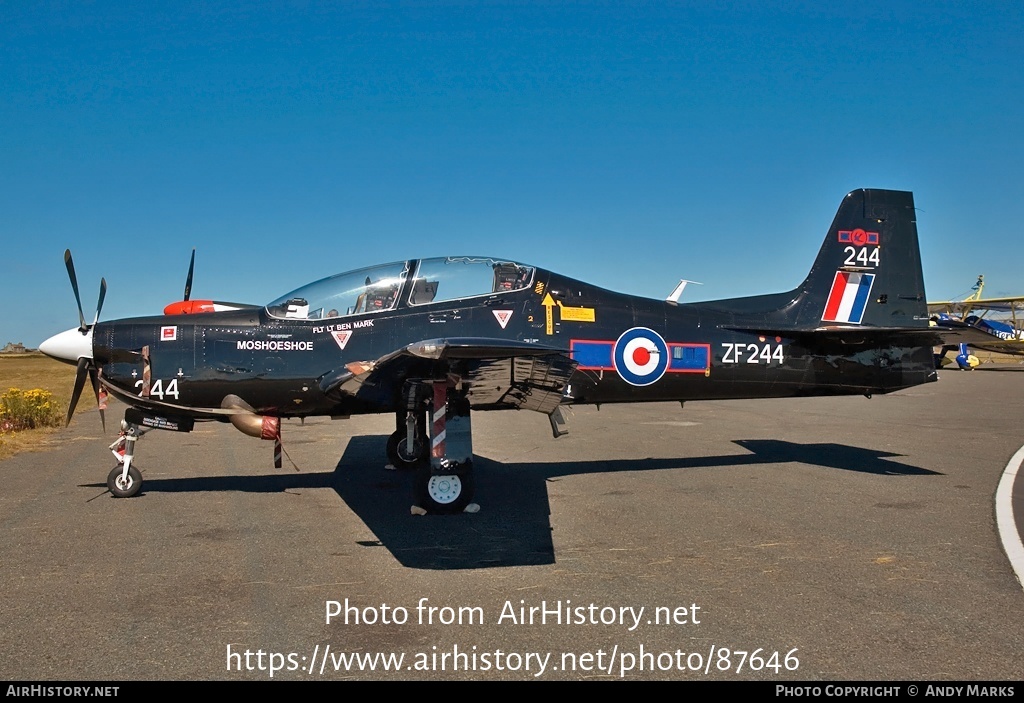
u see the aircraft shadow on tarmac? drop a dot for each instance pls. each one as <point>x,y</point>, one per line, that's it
<point>513,528</point>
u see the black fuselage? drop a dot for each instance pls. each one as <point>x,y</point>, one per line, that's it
<point>722,350</point>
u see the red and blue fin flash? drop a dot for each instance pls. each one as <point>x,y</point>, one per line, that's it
<point>849,297</point>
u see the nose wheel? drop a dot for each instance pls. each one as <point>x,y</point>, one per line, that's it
<point>122,486</point>
<point>125,480</point>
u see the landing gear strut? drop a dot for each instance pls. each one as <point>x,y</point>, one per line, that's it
<point>445,484</point>
<point>407,447</point>
<point>125,480</point>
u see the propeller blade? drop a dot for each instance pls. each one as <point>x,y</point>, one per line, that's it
<point>94,377</point>
<point>74,286</point>
<point>99,303</point>
<point>83,366</point>
<point>188,280</point>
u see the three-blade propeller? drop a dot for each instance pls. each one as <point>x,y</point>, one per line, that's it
<point>86,366</point>
<point>188,279</point>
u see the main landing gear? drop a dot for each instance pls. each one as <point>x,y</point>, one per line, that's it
<point>407,447</point>
<point>125,480</point>
<point>438,444</point>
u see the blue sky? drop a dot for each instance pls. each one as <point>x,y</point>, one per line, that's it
<point>626,144</point>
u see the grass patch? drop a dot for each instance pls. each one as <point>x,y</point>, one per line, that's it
<point>37,371</point>
<point>40,372</point>
<point>28,441</point>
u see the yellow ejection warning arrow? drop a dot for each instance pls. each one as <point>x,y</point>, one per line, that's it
<point>549,318</point>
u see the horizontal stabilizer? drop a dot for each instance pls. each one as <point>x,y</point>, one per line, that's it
<point>915,336</point>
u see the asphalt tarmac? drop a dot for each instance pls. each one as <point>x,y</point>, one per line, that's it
<point>806,539</point>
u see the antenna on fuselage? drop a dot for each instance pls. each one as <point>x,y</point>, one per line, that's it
<point>673,298</point>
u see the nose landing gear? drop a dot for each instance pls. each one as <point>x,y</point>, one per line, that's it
<point>125,480</point>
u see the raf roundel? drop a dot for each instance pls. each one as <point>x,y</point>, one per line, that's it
<point>641,356</point>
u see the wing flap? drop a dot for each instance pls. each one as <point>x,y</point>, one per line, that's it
<point>526,383</point>
<point>500,373</point>
<point>479,348</point>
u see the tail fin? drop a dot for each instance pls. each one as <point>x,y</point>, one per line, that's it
<point>868,271</point>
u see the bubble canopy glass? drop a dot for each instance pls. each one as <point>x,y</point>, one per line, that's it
<point>376,289</point>
<point>372,289</point>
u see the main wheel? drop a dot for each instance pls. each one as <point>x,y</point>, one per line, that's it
<point>127,487</point>
<point>398,451</point>
<point>444,493</point>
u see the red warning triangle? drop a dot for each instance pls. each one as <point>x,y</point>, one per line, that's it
<point>341,337</point>
<point>502,316</point>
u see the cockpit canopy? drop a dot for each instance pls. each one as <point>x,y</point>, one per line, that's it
<point>378,288</point>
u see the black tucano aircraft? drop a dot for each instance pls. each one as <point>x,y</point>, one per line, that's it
<point>431,340</point>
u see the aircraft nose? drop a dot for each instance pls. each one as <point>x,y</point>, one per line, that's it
<point>68,346</point>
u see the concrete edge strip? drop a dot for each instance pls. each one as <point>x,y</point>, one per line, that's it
<point>1005,523</point>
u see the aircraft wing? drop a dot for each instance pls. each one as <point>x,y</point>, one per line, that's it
<point>1001,346</point>
<point>945,306</point>
<point>996,304</point>
<point>501,373</point>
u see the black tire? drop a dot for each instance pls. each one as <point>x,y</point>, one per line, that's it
<point>131,486</point>
<point>398,454</point>
<point>444,494</point>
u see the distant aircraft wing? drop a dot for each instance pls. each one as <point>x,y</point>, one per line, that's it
<point>500,373</point>
<point>966,306</point>
<point>1001,346</point>
<point>1019,300</point>
<point>945,306</point>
